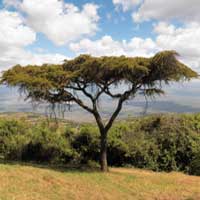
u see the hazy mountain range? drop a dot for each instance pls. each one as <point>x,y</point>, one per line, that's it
<point>180,98</point>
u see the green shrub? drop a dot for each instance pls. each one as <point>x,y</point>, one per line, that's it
<point>158,142</point>
<point>86,143</point>
<point>47,146</point>
<point>12,139</point>
<point>194,167</point>
<point>117,148</point>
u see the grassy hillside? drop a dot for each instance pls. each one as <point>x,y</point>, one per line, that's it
<point>23,182</point>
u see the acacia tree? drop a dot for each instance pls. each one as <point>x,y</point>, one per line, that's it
<point>91,77</point>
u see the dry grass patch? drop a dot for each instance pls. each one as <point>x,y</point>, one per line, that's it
<point>18,182</point>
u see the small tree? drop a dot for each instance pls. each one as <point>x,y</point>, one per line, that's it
<point>91,77</point>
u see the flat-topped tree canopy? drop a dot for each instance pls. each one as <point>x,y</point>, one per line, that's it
<point>100,71</point>
<point>63,83</point>
<point>162,67</point>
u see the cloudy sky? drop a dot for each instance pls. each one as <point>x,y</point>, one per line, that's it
<point>49,31</point>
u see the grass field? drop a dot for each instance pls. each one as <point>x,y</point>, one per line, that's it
<point>34,182</point>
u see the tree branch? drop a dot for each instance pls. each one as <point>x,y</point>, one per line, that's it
<point>123,98</point>
<point>83,89</point>
<point>68,97</point>
<point>99,122</point>
<point>105,89</point>
<point>115,114</point>
<point>81,104</point>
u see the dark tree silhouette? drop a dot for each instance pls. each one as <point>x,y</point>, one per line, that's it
<point>91,77</point>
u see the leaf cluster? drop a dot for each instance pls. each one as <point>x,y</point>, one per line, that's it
<point>55,83</point>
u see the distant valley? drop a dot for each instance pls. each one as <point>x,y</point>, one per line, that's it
<point>179,98</point>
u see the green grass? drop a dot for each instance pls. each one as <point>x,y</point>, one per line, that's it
<point>36,182</point>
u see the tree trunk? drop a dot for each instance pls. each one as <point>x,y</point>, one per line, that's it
<point>103,153</point>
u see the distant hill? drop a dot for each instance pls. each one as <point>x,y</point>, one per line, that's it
<point>179,98</point>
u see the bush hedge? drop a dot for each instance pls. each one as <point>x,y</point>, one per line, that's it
<point>158,142</point>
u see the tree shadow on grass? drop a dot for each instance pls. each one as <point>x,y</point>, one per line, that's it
<point>68,168</point>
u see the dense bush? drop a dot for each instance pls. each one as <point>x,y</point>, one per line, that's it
<point>157,142</point>
<point>194,167</point>
<point>163,142</point>
<point>27,142</point>
<point>12,139</point>
<point>117,148</point>
<point>46,145</point>
<point>86,143</point>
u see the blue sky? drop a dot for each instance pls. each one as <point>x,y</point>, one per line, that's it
<point>113,22</point>
<point>31,33</point>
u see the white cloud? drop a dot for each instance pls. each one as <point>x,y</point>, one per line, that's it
<point>187,10</point>
<point>184,40</point>
<point>15,56</point>
<point>126,4</point>
<point>14,37</point>
<point>13,31</point>
<point>107,46</point>
<point>61,22</point>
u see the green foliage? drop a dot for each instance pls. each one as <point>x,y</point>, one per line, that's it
<point>117,148</point>
<point>12,139</point>
<point>158,142</point>
<point>28,142</point>
<point>86,143</point>
<point>53,83</point>
<point>164,142</point>
<point>47,146</point>
<point>194,167</point>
